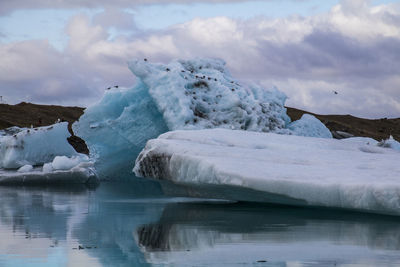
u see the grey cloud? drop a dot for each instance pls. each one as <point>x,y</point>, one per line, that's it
<point>8,6</point>
<point>117,18</point>
<point>365,73</point>
<point>307,64</point>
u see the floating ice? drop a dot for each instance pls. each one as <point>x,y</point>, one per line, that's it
<point>65,163</point>
<point>310,126</point>
<point>34,146</point>
<point>390,143</point>
<point>353,173</point>
<point>25,168</point>
<point>185,94</point>
<point>81,174</point>
<point>28,149</point>
<point>75,169</point>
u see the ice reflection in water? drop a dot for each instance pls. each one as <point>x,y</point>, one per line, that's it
<point>132,224</point>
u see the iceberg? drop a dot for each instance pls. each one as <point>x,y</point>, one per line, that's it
<point>354,173</point>
<point>390,143</point>
<point>42,155</point>
<point>310,126</point>
<point>182,95</point>
<point>34,146</point>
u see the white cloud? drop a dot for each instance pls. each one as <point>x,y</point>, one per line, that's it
<point>307,58</point>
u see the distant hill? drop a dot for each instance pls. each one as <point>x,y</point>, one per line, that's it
<point>27,114</point>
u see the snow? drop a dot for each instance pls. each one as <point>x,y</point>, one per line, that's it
<point>354,173</point>
<point>184,94</point>
<point>34,146</point>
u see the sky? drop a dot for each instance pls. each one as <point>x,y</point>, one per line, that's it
<point>68,51</point>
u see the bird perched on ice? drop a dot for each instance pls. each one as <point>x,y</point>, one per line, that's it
<point>335,92</point>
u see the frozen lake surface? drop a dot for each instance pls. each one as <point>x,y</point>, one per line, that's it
<point>133,224</point>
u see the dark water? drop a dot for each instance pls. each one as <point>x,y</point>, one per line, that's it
<point>132,224</point>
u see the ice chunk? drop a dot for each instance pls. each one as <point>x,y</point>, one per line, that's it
<point>47,167</point>
<point>65,163</point>
<point>390,143</point>
<point>35,146</point>
<point>25,168</point>
<point>75,169</point>
<point>286,169</point>
<point>309,125</point>
<point>185,94</point>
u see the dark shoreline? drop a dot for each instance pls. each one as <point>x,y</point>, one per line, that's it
<point>27,114</point>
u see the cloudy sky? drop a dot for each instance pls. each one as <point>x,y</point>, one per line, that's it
<point>68,51</point>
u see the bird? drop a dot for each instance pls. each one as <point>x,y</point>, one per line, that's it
<point>108,88</point>
<point>335,92</point>
<point>167,69</point>
<point>116,86</point>
<point>145,59</point>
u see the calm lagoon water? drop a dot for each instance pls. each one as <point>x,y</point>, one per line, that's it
<point>133,224</point>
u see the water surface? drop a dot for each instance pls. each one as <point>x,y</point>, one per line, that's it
<point>133,224</point>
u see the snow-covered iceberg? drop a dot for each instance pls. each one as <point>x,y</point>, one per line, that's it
<point>42,155</point>
<point>185,94</point>
<point>354,173</point>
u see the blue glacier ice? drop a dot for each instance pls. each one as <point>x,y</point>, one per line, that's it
<point>42,155</point>
<point>182,95</point>
<point>34,146</point>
